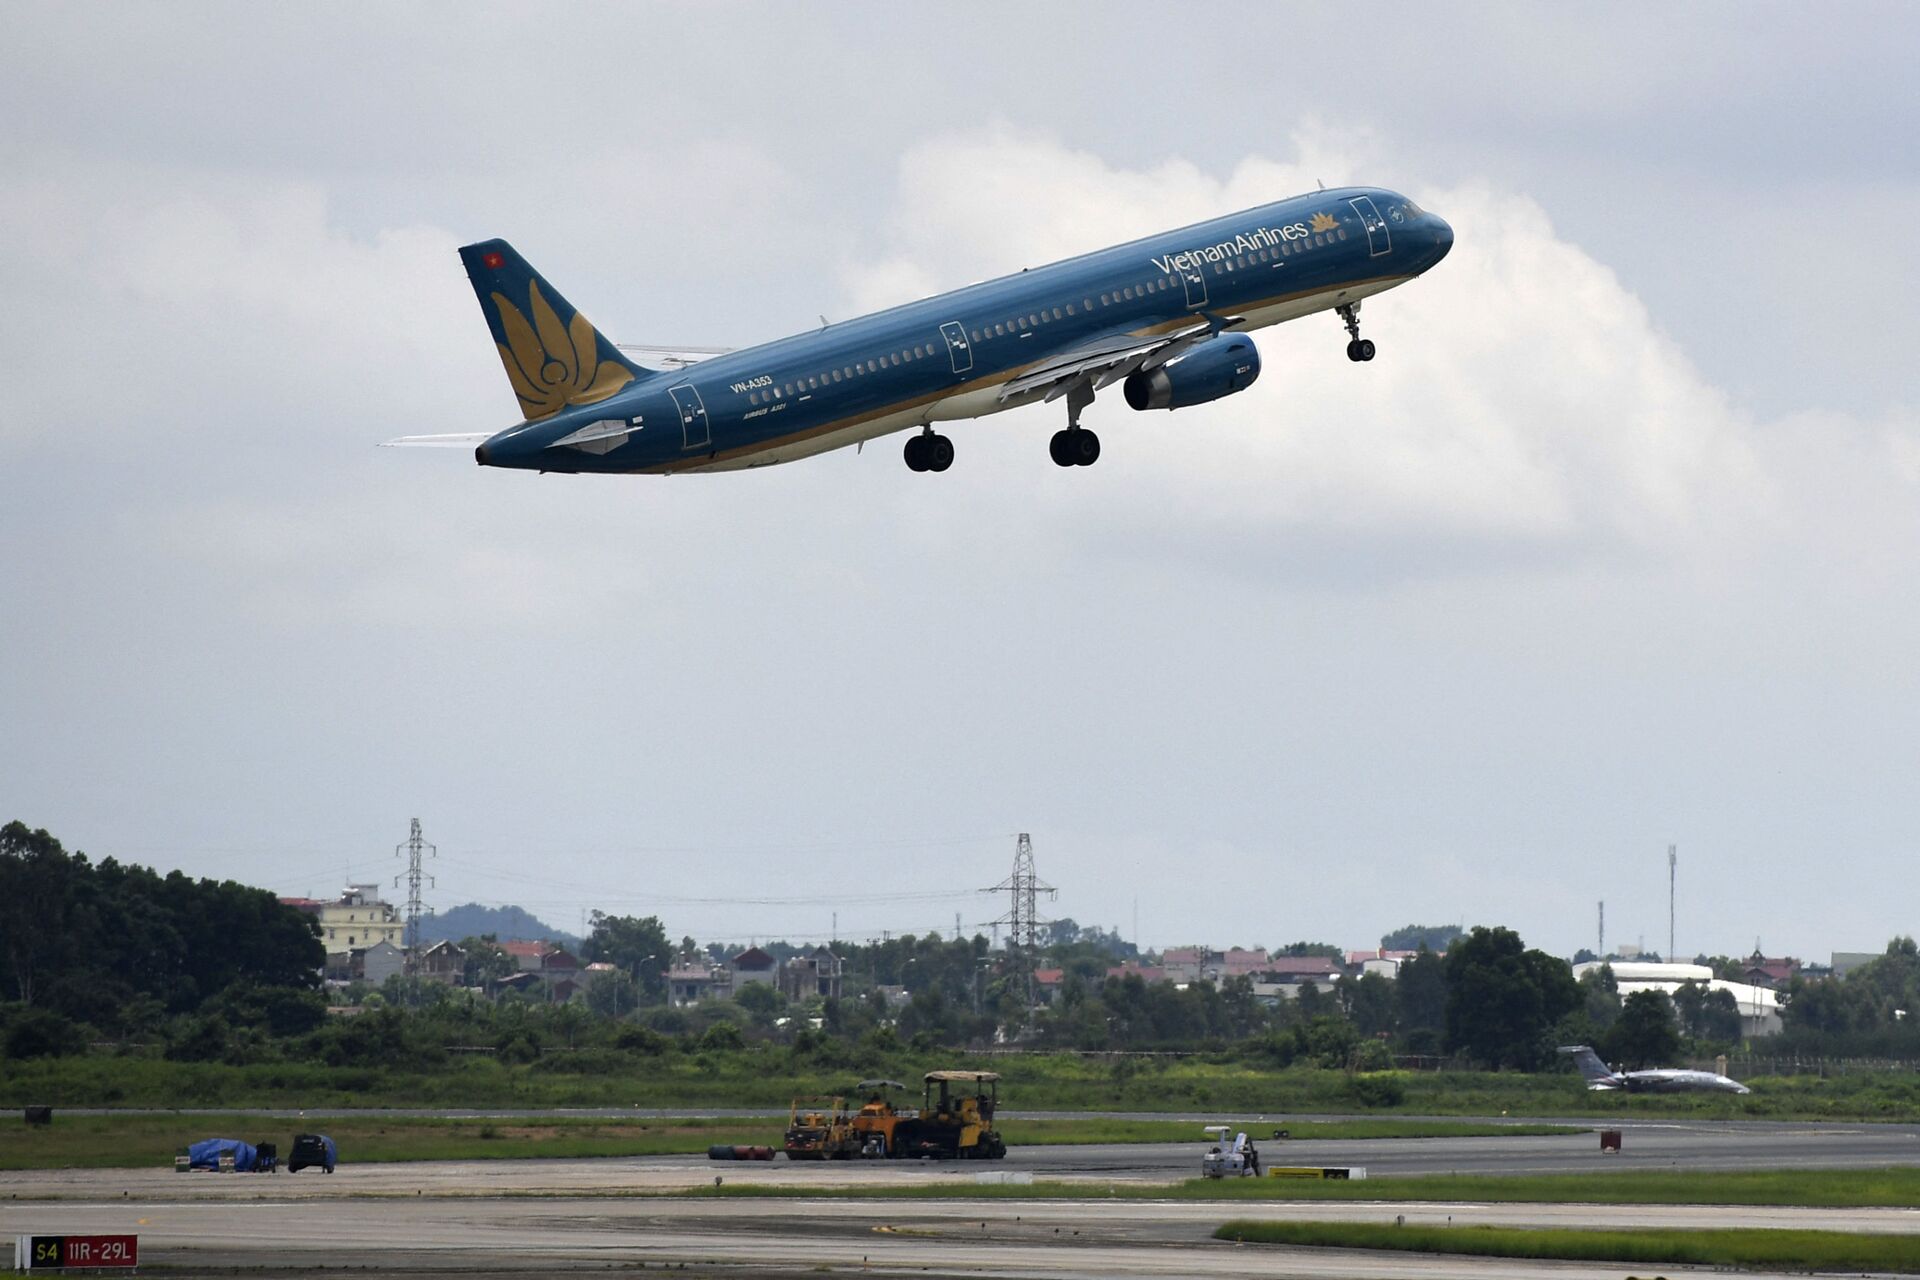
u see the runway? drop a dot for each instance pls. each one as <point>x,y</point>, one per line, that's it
<point>559,1216</point>
<point>1065,1239</point>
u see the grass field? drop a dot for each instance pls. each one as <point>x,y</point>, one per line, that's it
<point>134,1141</point>
<point>1757,1247</point>
<point>768,1076</point>
<point>1824,1188</point>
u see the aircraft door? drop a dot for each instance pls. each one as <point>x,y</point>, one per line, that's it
<point>693,416</point>
<point>1193,278</point>
<point>1379,239</point>
<point>958,348</point>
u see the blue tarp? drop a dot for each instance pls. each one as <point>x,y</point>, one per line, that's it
<point>206,1154</point>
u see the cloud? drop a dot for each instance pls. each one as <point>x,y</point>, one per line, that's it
<point>1525,407</point>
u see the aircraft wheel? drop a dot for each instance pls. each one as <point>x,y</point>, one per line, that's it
<point>1058,448</point>
<point>916,453</point>
<point>938,453</point>
<point>1366,350</point>
<point>1353,350</point>
<point>1083,447</point>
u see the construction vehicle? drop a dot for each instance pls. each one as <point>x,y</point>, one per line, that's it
<point>1224,1159</point>
<point>955,1120</point>
<point>877,1123</point>
<point>820,1128</point>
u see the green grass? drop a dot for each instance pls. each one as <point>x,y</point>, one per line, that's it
<point>1758,1247</point>
<point>1824,1188</point>
<point>136,1141</point>
<point>1221,1085</point>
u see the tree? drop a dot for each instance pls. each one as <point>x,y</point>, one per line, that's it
<point>1645,1035</point>
<point>762,1002</point>
<point>1420,994</point>
<point>613,996</point>
<point>1370,1004</point>
<point>636,945</point>
<point>1503,999</point>
<point>486,963</point>
<point>1433,937</point>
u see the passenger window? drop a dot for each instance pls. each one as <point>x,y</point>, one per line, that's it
<point>753,397</point>
<point>1104,299</point>
<point>1056,313</point>
<point>1000,330</point>
<point>1343,233</point>
<point>896,360</point>
<point>1086,304</point>
<point>1069,308</point>
<point>976,335</point>
<point>1032,319</point>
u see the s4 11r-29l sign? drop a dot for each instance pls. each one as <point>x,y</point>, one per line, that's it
<point>54,1253</point>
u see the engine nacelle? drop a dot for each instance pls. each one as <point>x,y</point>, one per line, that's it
<point>1217,367</point>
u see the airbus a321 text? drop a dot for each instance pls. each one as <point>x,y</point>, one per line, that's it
<point>1165,318</point>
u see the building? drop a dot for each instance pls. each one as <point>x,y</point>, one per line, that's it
<point>443,962</point>
<point>357,918</point>
<point>372,965</point>
<point>691,981</point>
<point>1769,971</point>
<point>753,965</point>
<point>1759,1006</point>
<point>817,974</point>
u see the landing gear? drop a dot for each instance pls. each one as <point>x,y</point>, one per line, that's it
<point>1359,349</point>
<point>929,452</point>
<point>1074,447</point>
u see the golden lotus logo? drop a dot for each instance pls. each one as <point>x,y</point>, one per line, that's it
<point>1323,222</point>
<point>552,365</point>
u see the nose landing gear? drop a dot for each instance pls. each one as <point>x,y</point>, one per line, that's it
<point>1359,349</point>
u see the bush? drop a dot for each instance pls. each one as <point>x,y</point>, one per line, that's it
<point>638,1039</point>
<point>1380,1089</point>
<point>721,1037</point>
<point>41,1033</point>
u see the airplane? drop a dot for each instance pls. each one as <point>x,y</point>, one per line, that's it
<point>1165,317</point>
<point>1655,1080</point>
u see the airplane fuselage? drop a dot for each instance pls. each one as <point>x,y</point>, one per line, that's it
<point>953,356</point>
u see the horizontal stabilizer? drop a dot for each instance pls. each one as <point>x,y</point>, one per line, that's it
<point>460,440</point>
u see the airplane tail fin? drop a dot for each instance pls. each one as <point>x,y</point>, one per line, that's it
<point>553,355</point>
<point>1593,1070</point>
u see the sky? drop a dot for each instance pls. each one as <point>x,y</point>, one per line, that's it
<point>1612,547</point>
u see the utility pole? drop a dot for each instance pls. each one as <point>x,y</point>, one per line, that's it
<point>1673,862</point>
<point>411,851</point>
<point>1022,919</point>
<point>1602,944</point>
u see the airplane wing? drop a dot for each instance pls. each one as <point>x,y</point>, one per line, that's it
<point>459,440</point>
<point>1108,359</point>
<point>669,359</point>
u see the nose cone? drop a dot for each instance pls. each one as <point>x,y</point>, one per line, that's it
<point>1441,239</point>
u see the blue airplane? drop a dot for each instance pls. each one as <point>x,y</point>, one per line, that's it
<point>1165,317</point>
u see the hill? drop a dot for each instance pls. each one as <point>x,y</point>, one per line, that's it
<point>508,924</point>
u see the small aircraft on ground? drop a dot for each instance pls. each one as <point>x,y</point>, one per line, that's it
<point>1654,1080</point>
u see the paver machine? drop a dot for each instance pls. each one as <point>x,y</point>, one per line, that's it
<point>877,1123</point>
<point>955,1120</point>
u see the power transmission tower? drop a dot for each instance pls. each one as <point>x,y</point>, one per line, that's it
<point>1022,919</point>
<point>411,850</point>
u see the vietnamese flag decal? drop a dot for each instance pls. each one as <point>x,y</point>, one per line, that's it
<point>495,260</point>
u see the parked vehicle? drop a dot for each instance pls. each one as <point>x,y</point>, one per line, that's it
<point>819,1128</point>
<point>312,1151</point>
<point>955,1120</point>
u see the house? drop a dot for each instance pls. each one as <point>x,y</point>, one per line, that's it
<point>1766,971</point>
<point>372,965</point>
<point>1320,970</point>
<point>1183,964</point>
<point>1047,984</point>
<point>753,965</point>
<point>1147,973</point>
<point>443,962</point>
<point>357,918</point>
<point>553,969</point>
<point>1240,962</point>
<point>1385,963</point>
<point>816,974</point>
<point>690,982</point>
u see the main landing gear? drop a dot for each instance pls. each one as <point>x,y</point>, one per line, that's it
<point>1359,349</point>
<point>1076,446</point>
<point>929,451</point>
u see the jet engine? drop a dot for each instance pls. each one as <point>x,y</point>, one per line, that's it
<point>1218,367</point>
